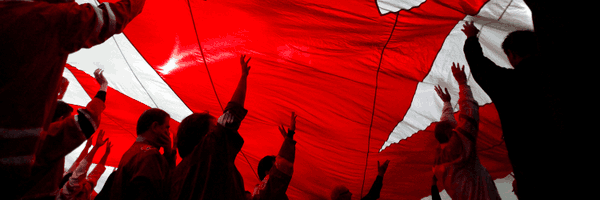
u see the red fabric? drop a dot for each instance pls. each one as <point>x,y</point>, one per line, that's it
<point>317,58</point>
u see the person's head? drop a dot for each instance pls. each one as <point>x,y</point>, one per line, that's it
<point>191,131</point>
<point>63,110</point>
<point>264,165</point>
<point>340,192</point>
<point>153,121</point>
<point>443,131</point>
<point>519,45</point>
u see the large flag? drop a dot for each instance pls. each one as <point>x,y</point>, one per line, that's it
<point>359,74</point>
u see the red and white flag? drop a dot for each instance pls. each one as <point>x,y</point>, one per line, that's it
<point>359,75</point>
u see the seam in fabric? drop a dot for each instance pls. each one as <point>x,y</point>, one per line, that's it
<point>210,78</point>
<point>375,101</point>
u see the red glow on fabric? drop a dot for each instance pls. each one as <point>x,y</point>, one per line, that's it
<point>317,58</point>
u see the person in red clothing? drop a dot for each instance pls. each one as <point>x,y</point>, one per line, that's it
<point>275,180</point>
<point>457,165</point>
<point>341,192</point>
<point>209,171</point>
<point>37,37</point>
<point>63,136</point>
<point>143,170</point>
<point>80,185</point>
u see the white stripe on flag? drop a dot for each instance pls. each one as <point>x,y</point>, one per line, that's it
<point>129,73</point>
<point>75,94</point>
<point>426,106</point>
<point>388,6</point>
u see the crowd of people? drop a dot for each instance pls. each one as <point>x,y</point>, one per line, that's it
<point>33,145</point>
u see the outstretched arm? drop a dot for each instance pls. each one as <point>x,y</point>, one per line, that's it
<point>485,71</point>
<point>288,147</point>
<point>86,25</point>
<point>375,190</point>
<point>100,141</point>
<point>229,122</point>
<point>100,167</point>
<point>239,96</point>
<point>234,113</point>
<point>75,183</point>
<point>98,74</point>
<point>81,156</point>
<point>281,172</point>
<point>469,110</point>
<point>447,112</point>
<point>89,118</point>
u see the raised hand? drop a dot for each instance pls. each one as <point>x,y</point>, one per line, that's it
<point>88,143</point>
<point>292,130</point>
<point>170,151</point>
<point>101,79</point>
<point>108,146</point>
<point>382,168</point>
<point>293,122</point>
<point>99,140</point>
<point>470,30</point>
<point>245,67</point>
<point>164,140</point>
<point>444,95</point>
<point>459,73</point>
<point>282,131</point>
<point>106,153</point>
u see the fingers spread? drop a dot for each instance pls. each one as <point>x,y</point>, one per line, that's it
<point>282,131</point>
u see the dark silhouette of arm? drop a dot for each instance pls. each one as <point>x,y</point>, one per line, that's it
<point>86,25</point>
<point>375,190</point>
<point>485,72</point>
